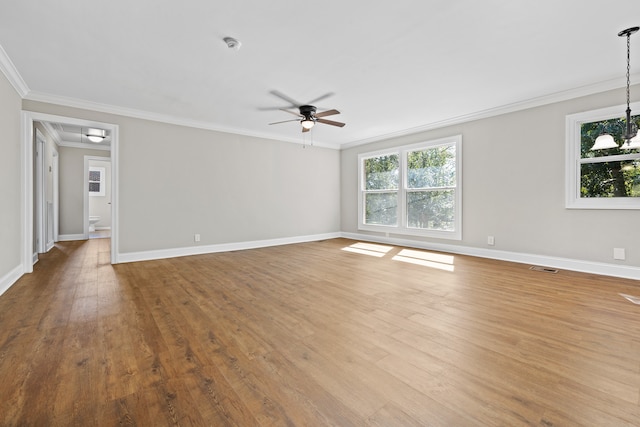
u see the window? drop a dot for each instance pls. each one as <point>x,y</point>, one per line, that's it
<point>412,189</point>
<point>601,179</point>
<point>96,181</point>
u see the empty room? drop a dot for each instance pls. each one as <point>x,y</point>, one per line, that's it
<point>324,214</point>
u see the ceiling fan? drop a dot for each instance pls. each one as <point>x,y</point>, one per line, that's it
<point>307,115</point>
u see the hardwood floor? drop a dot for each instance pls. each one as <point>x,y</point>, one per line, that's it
<point>323,333</point>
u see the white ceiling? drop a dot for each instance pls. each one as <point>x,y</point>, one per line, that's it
<point>393,67</point>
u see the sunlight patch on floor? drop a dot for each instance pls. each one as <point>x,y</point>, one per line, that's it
<point>370,249</point>
<point>426,259</point>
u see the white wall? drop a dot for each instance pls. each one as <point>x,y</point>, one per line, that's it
<point>513,187</point>
<point>10,178</point>
<point>176,181</point>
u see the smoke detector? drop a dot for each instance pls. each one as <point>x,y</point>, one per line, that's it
<point>232,43</point>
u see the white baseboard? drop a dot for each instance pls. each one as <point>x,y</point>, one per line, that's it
<point>225,247</point>
<point>34,258</point>
<point>604,269</point>
<point>103,228</point>
<point>10,278</point>
<point>70,237</point>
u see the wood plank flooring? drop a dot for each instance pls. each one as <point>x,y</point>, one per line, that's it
<point>331,333</point>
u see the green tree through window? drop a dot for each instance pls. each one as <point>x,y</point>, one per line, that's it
<point>612,172</point>
<point>381,189</point>
<point>413,189</point>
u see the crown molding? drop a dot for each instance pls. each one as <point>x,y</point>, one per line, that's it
<point>505,109</point>
<point>163,118</point>
<point>14,77</point>
<point>12,74</point>
<point>52,132</point>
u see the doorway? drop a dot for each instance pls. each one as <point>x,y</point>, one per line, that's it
<point>31,199</point>
<point>97,197</point>
<point>46,195</point>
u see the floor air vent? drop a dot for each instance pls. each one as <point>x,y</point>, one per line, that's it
<point>543,269</point>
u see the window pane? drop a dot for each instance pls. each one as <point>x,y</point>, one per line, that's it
<point>432,168</point>
<point>94,175</point>
<point>381,173</point>
<point>431,210</point>
<point>381,208</point>
<point>94,187</point>
<point>610,179</point>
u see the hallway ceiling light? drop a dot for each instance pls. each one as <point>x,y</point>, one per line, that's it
<point>605,140</point>
<point>96,135</point>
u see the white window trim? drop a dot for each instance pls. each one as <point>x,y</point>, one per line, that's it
<point>572,161</point>
<point>402,228</point>
<point>100,193</point>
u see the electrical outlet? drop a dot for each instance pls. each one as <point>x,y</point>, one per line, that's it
<point>196,237</point>
<point>491,241</point>
<point>618,253</point>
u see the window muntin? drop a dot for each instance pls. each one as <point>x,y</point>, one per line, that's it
<point>413,189</point>
<point>601,179</point>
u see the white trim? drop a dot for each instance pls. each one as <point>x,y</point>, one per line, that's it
<point>27,119</point>
<point>12,74</point>
<point>224,247</point>
<point>71,237</point>
<point>600,268</point>
<point>573,123</point>
<point>402,152</point>
<point>85,194</point>
<point>10,278</point>
<point>52,132</point>
<point>483,114</point>
<point>84,146</point>
<point>163,118</point>
<point>505,109</point>
<point>26,193</point>
<point>56,194</point>
<point>40,182</point>
<point>34,258</point>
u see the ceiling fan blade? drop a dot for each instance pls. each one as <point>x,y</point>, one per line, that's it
<point>284,97</point>
<point>291,112</point>
<point>284,121</point>
<point>330,122</point>
<point>328,113</point>
<point>320,98</point>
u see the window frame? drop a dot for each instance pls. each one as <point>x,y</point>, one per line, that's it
<point>100,182</point>
<point>402,213</point>
<point>573,161</point>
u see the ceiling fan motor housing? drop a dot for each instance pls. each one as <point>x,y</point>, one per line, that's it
<point>308,111</point>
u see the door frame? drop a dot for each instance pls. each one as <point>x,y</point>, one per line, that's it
<point>87,161</point>
<point>40,199</point>
<point>27,218</point>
